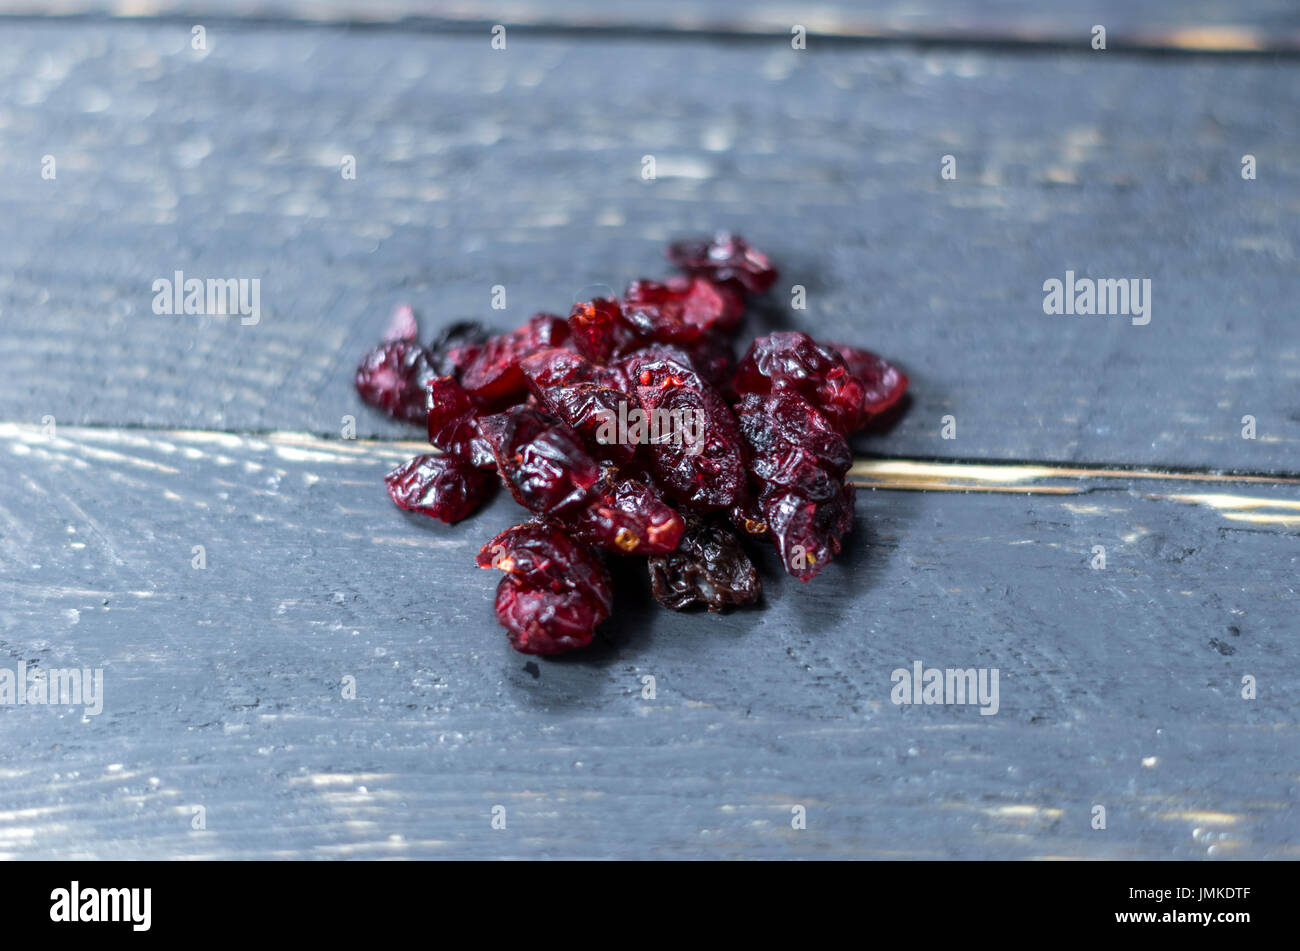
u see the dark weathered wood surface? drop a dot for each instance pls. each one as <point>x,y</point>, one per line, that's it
<point>1119,687</point>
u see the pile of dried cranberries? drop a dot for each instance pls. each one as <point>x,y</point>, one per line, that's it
<point>629,428</point>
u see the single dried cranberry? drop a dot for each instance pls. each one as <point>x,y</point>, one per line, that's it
<point>453,422</point>
<point>541,460</point>
<point>883,383</point>
<point>709,568</point>
<point>393,376</point>
<point>682,309</point>
<point>494,372</point>
<point>542,555</point>
<point>555,590</point>
<point>457,346</point>
<point>441,486</point>
<point>599,330</point>
<point>726,257</point>
<point>629,518</point>
<point>793,361</point>
<point>798,460</point>
<point>543,622</point>
<point>807,532</point>
<point>703,464</point>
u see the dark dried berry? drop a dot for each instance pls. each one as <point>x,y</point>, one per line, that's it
<point>798,460</point>
<point>494,372</point>
<point>629,518</point>
<point>703,464</point>
<point>441,486</point>
<point>726,257</point>
<point>393,376</point>
<point>543,622</point>
<point>453,422</point>
<point>883,383</point>
<point>709,568</point>
<point>599,330</point>
<point>807,533</point>
<point>681,310</point>
<point>793,361</point>
<point>456,347</point>
<point>542,555</point>
<point>555,590</point>
<point>541,460</point>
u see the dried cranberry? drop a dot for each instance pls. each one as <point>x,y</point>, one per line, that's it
<point>441,486</point>
<point>798,460</point>
<point>393,376</point>
<point>883,383</point>
<point>452,421</point>
<point>599,330</point>
<point>629,518</point>
<point>555,590</point>
<point>703,464</point>
<point>541,460</point>
<point>494,374</point>
<point>682,309</point>
<point>457,346</point>
<point>726,257</point>
<point>709,568</point>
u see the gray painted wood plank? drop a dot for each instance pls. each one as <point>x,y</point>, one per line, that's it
<point>523,168</point>
<point>1118,687</point>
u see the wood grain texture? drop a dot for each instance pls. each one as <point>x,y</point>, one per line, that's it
<point>1118,687</point>
<point>522,168</point>
<point>1203,25</point>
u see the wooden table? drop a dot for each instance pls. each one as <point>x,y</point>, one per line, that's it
<point>1120,686</point>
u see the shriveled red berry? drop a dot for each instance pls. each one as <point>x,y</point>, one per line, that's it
<point>393,376</point>
<point>541,460</point>
<point>682,309</point>
<point>453,422</point>
<point>444,487</point>
<point>599,330</point>
<point>543,555</point>
<point>709,569</point>
<point>807,532</point>
<point>494,372</point>
<point>883,383</point>
<point>555,590</point>
<point>628,518</point>
<point>456,347</point>
<point>727,257</point>
<point>705,467</point>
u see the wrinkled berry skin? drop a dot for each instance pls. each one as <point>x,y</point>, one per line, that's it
<point>393,376</point>
<point>708,569</point>
<point>457,346</point>
<point>599,331</point>
<point>798,461</point>
<point>726,257</point>
<point>628,518</point>
<point>710,473</point>
<point>493,375</point>
<point>883,383</point>
<point>555,590</point>
<point>793,361</point>
<point>452,419</point>
<point>681,310</point>
<point>443,487</point>
<point>542,462</point>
